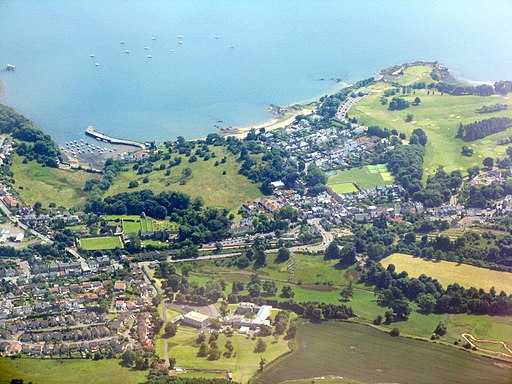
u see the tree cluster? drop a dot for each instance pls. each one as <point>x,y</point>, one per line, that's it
<point>480,129</point>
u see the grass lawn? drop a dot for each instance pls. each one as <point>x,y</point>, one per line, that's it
<point>343,188</point>
<point>361,353</point>
<point>448,272</point>
<point>439,115</point>
<point>74,371</point>
<point>228,191</point>
<point>49,185</point>
<point>100,243</point>
<point>365,177</point>
<point>243,365</point>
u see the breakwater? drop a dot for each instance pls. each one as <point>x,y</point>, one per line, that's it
<point>90,131</point>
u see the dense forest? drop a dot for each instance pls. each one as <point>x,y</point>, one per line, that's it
<point>197,224</point>
<point>396,290</point>
<point>34,144</point>
<point>405,162</point>
<point>483,128</point>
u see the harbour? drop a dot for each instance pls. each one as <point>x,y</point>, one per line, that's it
<point>90,131</point>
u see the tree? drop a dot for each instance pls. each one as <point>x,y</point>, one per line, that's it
<point>416,101</point>
<point>347,292</point>
<point>348,254</point>
<point>283,254</point>
<point>488,162</point>
<point>218,247</point>
<point>261,346</point>
<point>262,364</point>
<point>201,338</point>
<point>409,118</point>
<point>287,292</point>
<point>426,302</point>
<point>401,309</point>
<point>133,184</point>
<point>422,136</point>
<point>440,329</point>
<point>332,251</point>
<point>128,358</point>
<point>203,350</point>
<point>170,330</point>
<point>378,320</point>
<point>395,332</point>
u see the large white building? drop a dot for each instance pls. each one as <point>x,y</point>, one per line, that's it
<point>196,319</point>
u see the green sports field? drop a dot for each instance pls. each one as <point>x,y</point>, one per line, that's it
<point>100,243</point>
<point>365,177</point>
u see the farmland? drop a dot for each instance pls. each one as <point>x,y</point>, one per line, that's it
<point>448,272</point>
<point>229,190</point>
<point>49,185</point>
<point>439,115</point>
<point>68,371</point>
<point>365,177</point>
<point>100,243</point>
<point>361,353</point>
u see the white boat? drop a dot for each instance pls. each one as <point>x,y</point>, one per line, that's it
<point>127,51</point>
<point>98,139</point>
<point>180,37</point>
<point>121,42</point>
<point>172,50</point>
<point>216,37</point>
<point>92,55</point>
<point>146,48</point>
<point>97,64</point>
<point>153,38</point>
<point>181,42</point>
<point>149,56</point>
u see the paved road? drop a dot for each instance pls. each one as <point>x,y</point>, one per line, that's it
<point>327,238</point>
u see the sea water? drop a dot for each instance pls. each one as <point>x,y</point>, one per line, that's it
<point>267,52</point>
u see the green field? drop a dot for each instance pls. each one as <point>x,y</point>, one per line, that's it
<point>100,243</point>
<point>439,115</point>
<point>343,188</point>
<point>49,185</point>
<point>365,177</point>
<point>361,353</point>
<point>448,272</point>
<point>74,371</point>
<point>244,365</point>
<point>228,191</point>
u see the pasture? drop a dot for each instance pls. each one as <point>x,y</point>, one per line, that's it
<point>447,272</point>
<point>365,177</point>
<point>75,371</point>
<point>364,354</point>
<point>100,243</point>
<point>439,116</point>
<point>49,185</point>
<point>229,190</point>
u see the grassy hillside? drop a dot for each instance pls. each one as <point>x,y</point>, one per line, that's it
<point>361,353</point>
<point>439,115</point>
<point>49,185</point>
<point>228,191</point>
<point>448,272</point>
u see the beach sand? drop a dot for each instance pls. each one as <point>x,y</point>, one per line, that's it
<point>274,123</point>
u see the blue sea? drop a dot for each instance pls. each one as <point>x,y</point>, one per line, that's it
<point>267,52</point>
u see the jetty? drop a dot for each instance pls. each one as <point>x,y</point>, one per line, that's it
<point>90,131</point>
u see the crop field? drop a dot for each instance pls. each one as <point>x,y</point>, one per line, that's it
<point>49,185</point>
<point>228,191</point>
<point>448,272</point>
<point>76,371</point>
<point>100,243</point>
<point>440,116</point>
<point>363,354</point>
<point>365,177</point>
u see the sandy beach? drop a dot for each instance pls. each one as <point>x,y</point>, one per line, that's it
<point>274,123</point>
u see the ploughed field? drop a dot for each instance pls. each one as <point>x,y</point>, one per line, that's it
<point>364,354</point>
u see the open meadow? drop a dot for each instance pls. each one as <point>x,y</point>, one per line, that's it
<point>439,116</point>
<point>49,185</point>
<point>447,272</point>
<point>68,371</point>
<point>229,190</point>
<point>361,353</point>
